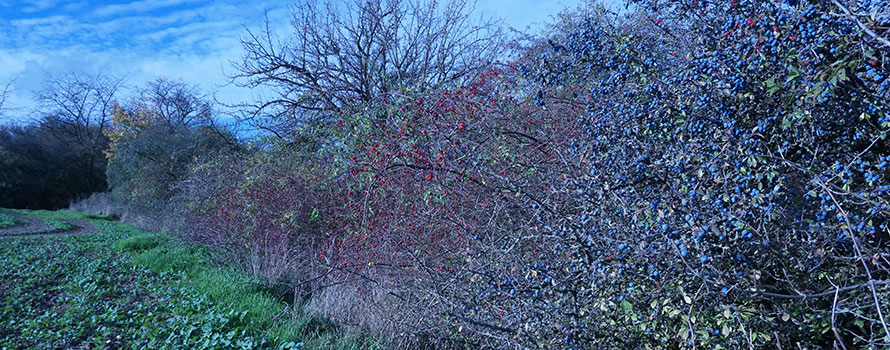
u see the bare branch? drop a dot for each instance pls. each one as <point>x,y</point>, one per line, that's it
<point>4,94</point>
<point>77,107</point>
<point>862,26</point>
<point>344,56</point>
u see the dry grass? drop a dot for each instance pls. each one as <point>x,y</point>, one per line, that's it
<point>375,310</point>
<point>105,204</point>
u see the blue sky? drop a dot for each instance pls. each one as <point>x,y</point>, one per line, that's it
<point>192,40</point>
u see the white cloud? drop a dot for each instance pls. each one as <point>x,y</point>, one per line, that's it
<point>195,43</point>
<point>189,32</point>
<point>139,6</point>
<point>38,5</point>
<point>31,23</point>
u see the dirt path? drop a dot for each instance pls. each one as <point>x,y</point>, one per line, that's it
<point>34,226</point>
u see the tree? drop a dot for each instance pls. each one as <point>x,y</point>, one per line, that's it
<point>177,104</point>
<point>4,94</point>
<point>343,56</point>
<point>38,170</point>
<point>164,102</point>
<point>155,139</point>
<point>76,109</point>
<point>48,163</point>
<point>78,103</point>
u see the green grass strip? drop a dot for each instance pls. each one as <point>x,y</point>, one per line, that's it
<point>61,214</point>
<point>232,291</point>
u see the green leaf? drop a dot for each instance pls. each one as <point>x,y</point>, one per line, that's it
<point>842,75</point>
<point>626,306</point>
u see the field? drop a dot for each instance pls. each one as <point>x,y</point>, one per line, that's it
<point>73,280</point>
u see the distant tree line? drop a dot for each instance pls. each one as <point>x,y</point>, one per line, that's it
<point>87,139</point>
<point>59,157</point>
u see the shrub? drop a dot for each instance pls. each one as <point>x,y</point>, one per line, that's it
<point>733,178</point>
<point>685,174</point>
<point>260,209</point>
<point>154,142</point>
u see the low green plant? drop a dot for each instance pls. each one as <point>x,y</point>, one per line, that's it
<point>54,225</point>
<point>171,258</point>
<point>229,289</point>
<point>127,288</point>
<point>7,221</point>
<point>140,242</point>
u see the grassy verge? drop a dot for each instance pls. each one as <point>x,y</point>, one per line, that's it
<point>60,214</point>
<point>126,288</point>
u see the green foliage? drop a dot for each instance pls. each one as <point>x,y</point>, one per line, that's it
<point>54,225</point>
<point>171,258</point>
<point>139,243</point>
<point>145,168</point>
<point>7,221</point>
<point>156,139</point>
<point>104,291</point>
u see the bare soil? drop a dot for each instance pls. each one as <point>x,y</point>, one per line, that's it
<point>34,226</point>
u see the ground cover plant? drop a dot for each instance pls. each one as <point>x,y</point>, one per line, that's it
<point>121,287</point>
<point>7,221</point>
<point>57,225</point>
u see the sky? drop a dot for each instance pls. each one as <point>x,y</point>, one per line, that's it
<point>191,40</point>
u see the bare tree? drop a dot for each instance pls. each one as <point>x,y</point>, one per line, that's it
<point>879,28</point>
<point>77,108</point>
<point>177,104</point>
<point>344,55</point>
<point>4,94</point>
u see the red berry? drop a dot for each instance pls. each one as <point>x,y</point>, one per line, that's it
<point>873,63</point>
